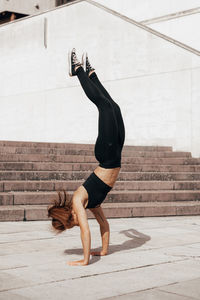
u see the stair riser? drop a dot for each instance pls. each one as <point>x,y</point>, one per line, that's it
<point>41,213</point>
<point>34,186</point>
<point>150,211</point>
<point>52,151</point>
<point>78,146</point>
<point>121,197</point>
<point>91,159</point>
<point>18,215</point>
<point>83,175</point>
<point>7,199</point>
<point>71,186</point>
<point>91,166</point>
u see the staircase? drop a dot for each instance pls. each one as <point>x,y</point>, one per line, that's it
<point>153,181</point>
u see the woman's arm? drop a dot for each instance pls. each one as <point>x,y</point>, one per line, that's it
<point>104,229</point>
<point>85,230</point>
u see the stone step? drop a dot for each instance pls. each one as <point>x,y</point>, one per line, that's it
<point>19,198</point>
<point>77,146</point>
<point>63,151</point>
<point>91,159</point>
<point>51,166</point>
<point>80,175</point>
<point>111,210</point>
<point>26,185</point>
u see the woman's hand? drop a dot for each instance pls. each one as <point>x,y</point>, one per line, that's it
<point>98,253</point>
<point>77,263</point>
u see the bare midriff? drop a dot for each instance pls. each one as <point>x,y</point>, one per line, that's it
<point>109,176</point>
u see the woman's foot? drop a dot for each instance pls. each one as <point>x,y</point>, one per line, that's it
<point>74,63</point>
<point>86,64</point>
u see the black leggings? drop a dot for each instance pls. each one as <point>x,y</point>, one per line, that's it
<point>111,132</point>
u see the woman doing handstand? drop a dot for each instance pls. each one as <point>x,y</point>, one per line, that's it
<point>108,148</point>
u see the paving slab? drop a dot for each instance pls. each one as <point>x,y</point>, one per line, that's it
<point>150,258</point>
<point>150,294</point>
<point>190,288</point>
<point>99,286</point>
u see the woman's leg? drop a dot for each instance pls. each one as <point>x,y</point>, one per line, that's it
<point>107,141</point>
<point>97,82</point>
<point>94,78</point>
<point>91,90</point>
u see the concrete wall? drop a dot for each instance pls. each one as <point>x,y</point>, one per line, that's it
<point>26,7</point>
<point>140,10</point>
<point>155,82</point>
<point>183,29</point>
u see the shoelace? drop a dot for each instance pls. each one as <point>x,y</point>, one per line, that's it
<point>88,65</point>
<point>74,59</point>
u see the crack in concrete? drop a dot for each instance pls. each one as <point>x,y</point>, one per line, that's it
<point>112,80</point>
<point>183,255</point>
<point>17,267</point>
<point>173,293</point>
<point>37,239</point>
<point>136,292</point>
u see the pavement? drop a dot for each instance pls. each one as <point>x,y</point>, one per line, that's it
<point>150,258</point>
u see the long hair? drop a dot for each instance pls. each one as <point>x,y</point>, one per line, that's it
<point>61,212</point>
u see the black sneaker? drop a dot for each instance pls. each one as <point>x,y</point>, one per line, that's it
<point>73,62</point>
<point>86,64</point>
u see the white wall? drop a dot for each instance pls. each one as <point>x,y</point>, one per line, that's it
<point>155,82</point>
<point>26,7</point>
<point>140,10</point>
<point>183,29</point>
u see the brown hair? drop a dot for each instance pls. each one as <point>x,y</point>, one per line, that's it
<point>61,212</point>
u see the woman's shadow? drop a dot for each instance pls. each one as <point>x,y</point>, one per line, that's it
<point>136,240</point>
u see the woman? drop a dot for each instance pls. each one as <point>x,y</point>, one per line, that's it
<point>108,149</point>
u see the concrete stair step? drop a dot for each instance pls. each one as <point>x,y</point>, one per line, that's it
<point>77,146</point>
<point>91,159</point>
<point>17,198</point>
<point>50,166</point>
<point>111,210</point>
<point>27,185</point>
<point>63,151</point>
<point>80,175</point>
<point>153,181</point>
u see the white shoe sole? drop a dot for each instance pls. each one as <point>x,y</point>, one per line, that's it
<point>84,60</point>
<point>70,63</point>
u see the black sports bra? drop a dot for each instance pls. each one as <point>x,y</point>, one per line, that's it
<point>97,190</point>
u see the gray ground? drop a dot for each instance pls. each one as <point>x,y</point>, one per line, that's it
<point>151,258</point>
